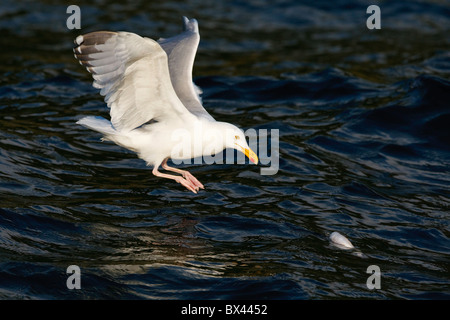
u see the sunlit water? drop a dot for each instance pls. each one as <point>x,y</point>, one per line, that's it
<point>363,117</point>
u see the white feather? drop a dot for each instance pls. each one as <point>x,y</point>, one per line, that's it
<point>340,241</point>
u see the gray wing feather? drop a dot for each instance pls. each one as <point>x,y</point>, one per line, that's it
<point>181,50</point>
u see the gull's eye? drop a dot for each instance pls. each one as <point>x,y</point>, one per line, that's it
<point>236,137</point>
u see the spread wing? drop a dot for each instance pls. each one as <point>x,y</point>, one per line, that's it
<point>132,73</point>
<point>181,50</point>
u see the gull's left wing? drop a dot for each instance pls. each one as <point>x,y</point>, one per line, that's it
<point>181,50</point>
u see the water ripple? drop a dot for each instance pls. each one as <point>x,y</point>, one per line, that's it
<point>364,150</point>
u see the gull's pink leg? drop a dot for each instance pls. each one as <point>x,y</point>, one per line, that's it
<point>178,179</point>
<point>186,174</point>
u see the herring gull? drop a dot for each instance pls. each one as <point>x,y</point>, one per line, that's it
<point>149,90</point>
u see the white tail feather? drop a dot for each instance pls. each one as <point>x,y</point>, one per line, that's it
<point>98,124</point>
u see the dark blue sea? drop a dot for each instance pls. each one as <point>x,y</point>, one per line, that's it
<point>364,150</point>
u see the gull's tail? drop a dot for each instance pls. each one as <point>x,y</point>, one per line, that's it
<point>98,124</point>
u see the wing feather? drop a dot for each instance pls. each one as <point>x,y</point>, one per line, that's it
<point>181,50</point>
<point>132,73</point>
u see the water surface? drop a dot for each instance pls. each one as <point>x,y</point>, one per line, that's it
<point>363,117</point>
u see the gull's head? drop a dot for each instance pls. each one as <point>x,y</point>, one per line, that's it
<point>235,139</point>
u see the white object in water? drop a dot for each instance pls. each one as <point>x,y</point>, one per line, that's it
<point>340,241</point>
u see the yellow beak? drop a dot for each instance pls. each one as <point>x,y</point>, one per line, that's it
<point>249,154</point>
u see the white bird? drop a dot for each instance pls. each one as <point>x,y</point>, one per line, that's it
<point>153,102</point>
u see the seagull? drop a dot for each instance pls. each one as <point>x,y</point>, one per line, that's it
<point>155,108</point>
